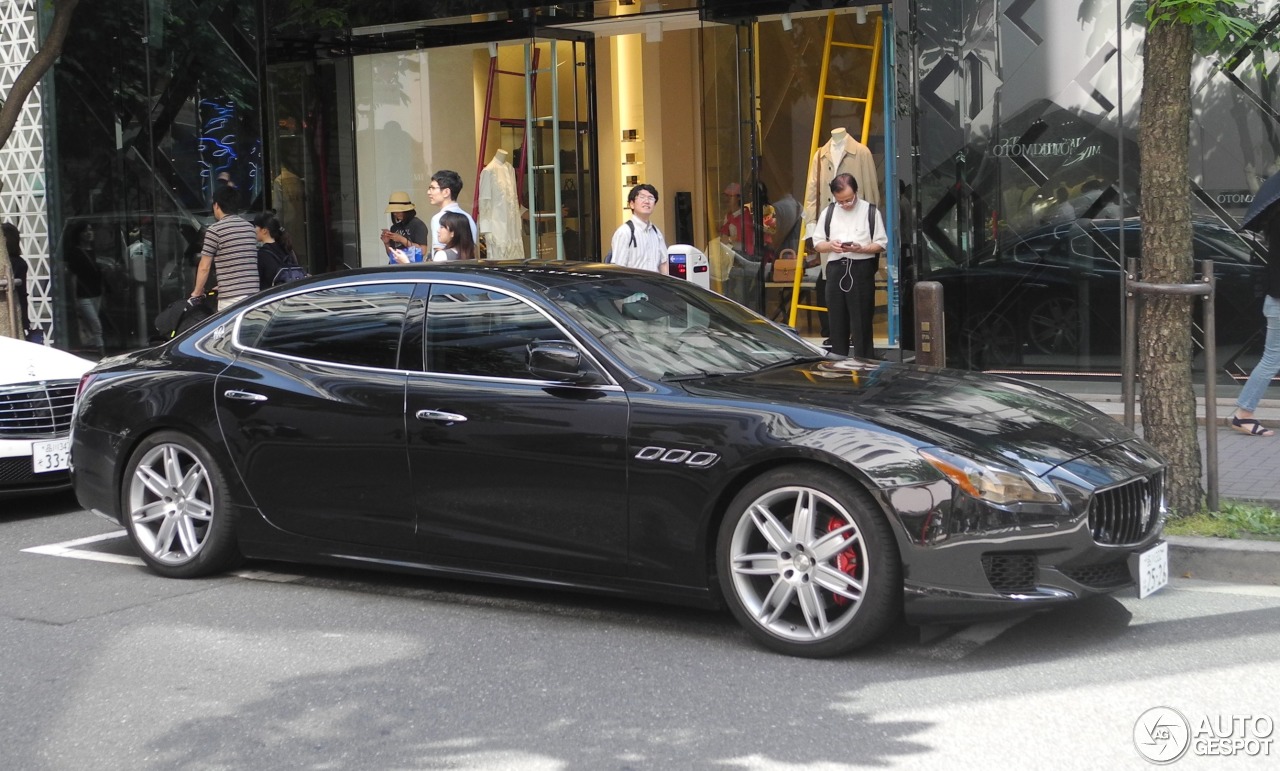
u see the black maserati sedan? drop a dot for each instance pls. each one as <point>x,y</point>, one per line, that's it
<point>585,426</point>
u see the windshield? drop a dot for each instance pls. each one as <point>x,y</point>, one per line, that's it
<point>667,328</point>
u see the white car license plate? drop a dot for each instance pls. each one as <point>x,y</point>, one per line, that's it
<point>1153,569</point>
<point>48,456</point>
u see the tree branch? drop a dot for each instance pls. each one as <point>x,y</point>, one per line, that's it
<point>30,76</point>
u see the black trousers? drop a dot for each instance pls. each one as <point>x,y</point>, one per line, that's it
<point>851,303</point>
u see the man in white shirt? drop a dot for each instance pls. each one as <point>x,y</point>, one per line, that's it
<point>850,236</point>
<point>443,192</point>
<point>638,243</point>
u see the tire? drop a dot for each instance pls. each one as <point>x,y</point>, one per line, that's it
<point>177,508</point>
<point>988,341</point>
<point>1053,326</point>
<point>824,589</point>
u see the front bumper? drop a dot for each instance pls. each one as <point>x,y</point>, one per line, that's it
<point>963,558</point>
<point>18,476</point>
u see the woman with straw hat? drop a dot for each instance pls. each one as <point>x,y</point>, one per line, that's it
<point>407,238</point>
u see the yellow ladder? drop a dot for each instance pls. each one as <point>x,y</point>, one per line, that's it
<point>824,96</point>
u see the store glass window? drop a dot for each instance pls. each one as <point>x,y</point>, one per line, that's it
<point>154,106</point>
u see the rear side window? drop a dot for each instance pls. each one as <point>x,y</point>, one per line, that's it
<point>357,325</point>
<point>477,331</point>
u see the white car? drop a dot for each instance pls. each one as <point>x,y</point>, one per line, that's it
<point>37,391</point>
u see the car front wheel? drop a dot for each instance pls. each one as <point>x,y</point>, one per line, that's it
<point>808,564</point>
<point>177,508</point>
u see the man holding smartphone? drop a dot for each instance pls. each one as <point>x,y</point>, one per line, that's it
<point>850,236</point>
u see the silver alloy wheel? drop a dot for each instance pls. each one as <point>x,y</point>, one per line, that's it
<point>170,504</point>
<point>786,556</point>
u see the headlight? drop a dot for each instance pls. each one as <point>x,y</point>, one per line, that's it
<point>987,482</point>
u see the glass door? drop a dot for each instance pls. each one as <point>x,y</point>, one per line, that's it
<point>734,204</point>
<point>556,147</point>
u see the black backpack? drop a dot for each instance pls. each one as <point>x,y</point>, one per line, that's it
<point>289,273</point>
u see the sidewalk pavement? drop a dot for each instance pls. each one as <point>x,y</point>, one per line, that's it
<point>1248,470</point>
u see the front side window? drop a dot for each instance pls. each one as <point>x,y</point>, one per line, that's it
<point>483,332</point>
<point>357,325</point>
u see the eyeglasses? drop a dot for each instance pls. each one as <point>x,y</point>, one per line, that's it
<point>645,197</point>
<point>433,186</point>
<point>847,204</point>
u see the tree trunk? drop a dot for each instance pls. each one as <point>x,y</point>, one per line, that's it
<point>1164,322</point>
<point>8,297</point>
<point>35,69</point>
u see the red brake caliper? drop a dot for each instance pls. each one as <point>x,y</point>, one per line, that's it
<point>846,561</point>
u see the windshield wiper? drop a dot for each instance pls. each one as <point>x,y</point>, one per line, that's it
<point>674,378</point>
<point>794,360</point>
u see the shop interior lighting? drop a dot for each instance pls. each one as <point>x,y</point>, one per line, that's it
<point>493,50</point>
<point>786,21</point>
<point>862,15</point>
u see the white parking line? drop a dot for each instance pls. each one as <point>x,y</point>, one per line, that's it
<point>72,550</point>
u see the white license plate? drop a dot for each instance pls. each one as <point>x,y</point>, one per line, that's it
<point>53,455</point>
<point>1153,569</point>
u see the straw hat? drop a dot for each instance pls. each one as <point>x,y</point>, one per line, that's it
<point>399,201</point>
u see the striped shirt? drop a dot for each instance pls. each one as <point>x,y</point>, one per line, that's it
<point>234,248</point>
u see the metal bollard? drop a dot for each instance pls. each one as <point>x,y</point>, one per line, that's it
<point>931,327</point>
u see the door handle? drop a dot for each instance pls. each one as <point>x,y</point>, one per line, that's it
<point>244,396</point>
<point>443,417</point>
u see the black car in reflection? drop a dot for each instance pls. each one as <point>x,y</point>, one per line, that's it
<point>592,427</point>
<point>1051,297</point>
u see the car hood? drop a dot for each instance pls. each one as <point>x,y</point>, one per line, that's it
<point>980,415</point>
<point>23,362</point>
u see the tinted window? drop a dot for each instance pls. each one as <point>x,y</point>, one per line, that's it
<point>252,324</point>
<point>476,331</point>
<point>344,325</point>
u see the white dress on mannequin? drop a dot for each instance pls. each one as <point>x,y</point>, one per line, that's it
<point>500,210</point>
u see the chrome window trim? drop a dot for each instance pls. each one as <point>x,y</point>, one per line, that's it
<point>612,385</point>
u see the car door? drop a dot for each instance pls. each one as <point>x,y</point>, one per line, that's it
<point>508,469</point>
<point>313,413</point>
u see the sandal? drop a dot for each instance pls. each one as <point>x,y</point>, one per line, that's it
<point>1250,426</point>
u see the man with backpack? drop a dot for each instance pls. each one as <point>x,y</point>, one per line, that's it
<point>850,236</point>
<point>637,243</point>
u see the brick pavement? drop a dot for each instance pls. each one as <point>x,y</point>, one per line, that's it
<point>1248,466</point>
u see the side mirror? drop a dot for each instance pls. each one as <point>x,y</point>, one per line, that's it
<point>560,361</point>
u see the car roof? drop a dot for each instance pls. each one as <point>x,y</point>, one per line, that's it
<point>539,275</point>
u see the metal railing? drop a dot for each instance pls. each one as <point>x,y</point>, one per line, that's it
<point>1131,288</point>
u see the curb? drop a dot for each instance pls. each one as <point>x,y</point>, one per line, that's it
<point>1224,559</point>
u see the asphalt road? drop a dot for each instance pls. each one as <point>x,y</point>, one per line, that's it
<point>284,667</point>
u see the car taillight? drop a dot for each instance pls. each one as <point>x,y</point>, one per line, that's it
<point>85,380</point>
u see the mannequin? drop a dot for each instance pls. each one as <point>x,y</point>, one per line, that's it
<point>499,209</point>
<point>838,137</point>
<point>841,154</point>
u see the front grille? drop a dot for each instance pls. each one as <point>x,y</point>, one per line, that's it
<point>1126,513</point>
<point>1100,576</point>
<point>1010,572</point>
<point>34,410</point>
<point>18,471</point>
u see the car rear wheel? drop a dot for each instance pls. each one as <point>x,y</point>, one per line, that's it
<point>177,508</point>
<point>808,564</point>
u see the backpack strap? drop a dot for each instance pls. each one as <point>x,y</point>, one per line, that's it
<point>826,219</point>
<point>632,227</point>
<point>871,219</point>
